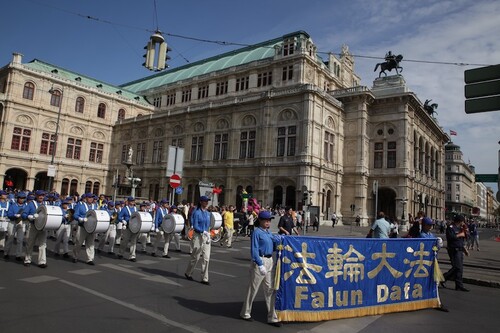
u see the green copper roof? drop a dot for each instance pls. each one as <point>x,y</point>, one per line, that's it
<point>84,80</point>
<point>238,57</point>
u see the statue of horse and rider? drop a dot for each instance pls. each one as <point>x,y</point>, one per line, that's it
<point>391,62</point>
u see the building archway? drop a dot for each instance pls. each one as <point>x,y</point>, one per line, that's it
<point>387,202</point>
<point>41,181</point>
<point>15,177</point>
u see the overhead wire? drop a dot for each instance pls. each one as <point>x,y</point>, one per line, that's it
<point>226,43</point>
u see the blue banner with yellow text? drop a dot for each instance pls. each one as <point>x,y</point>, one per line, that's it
<point>331,278</point>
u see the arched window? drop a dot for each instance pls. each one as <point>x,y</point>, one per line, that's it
<point>29,90</point>
<point>55,98</point>
<point>95,189</point>
<point>79,105</point>
<point>121,114</point>
<point>101,110</point>
<point>88,186</point>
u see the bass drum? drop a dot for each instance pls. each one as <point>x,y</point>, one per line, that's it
<point>140,222</point>
<point>215,220</point>
<point>97,221</point>
<point>172,223</point>
<point>49,218</point>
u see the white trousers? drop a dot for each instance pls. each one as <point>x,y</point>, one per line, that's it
<point>256,280</point>
<point>129,237</point>
<point>15,230</point>
<point>108,236</point>
<point>39,237</point>
<point>62,236</point>
<point>89,239</point>
<point>201,247</point>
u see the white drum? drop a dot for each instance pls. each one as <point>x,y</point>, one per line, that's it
<point>140,222</point>
<point>49,218</point>
<point>4,224</point>
<point>215,220</point>
<point>97,221</point>
<point>172,223</point>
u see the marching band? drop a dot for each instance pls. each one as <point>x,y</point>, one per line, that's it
<point>28,219</point>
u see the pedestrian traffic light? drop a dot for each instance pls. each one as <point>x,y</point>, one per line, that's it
<point>305,198</point>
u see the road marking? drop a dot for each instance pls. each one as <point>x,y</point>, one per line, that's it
<point>349,325</point>
<point>133,307</point>
<point>155,278</point>
<point>39,279</point>
<point>84,271</point>
<point>232,263</point>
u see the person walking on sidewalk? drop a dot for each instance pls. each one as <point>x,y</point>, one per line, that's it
<point>455,236</point>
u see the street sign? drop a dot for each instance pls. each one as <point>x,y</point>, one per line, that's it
<point>487,178</point>
<point>482,89</point>
<point>175,180</point>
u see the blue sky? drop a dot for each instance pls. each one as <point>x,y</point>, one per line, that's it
<point>109,47</point>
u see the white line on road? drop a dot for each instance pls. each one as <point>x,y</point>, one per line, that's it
<point>130,306</point>
<point>155,278</point>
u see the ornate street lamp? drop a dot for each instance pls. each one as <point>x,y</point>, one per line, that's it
<point>51,172</point>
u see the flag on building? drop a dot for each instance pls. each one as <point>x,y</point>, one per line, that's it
<point>452,132</point>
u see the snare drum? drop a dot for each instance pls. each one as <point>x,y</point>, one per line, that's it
<point>172,223</point>
<point>49,218</point>
<point>140,222</point>
<point>97,221</point>
<point>4,224</point>
<point>215,220</point>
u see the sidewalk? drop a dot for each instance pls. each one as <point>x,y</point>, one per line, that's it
<point>480,267</point>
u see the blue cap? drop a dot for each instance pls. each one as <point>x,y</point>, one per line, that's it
<point>130,199</point>
<point>21,195</point>
<point>111,203</point>
<point>39,192</point>
<point>2,192</point>
<point>30,197</point>
<point>265,215</point>
<point>65,202</point>
<point>427,220</point>
<point>163,201</point>
<point>173,207</point>
<point>204,198</point>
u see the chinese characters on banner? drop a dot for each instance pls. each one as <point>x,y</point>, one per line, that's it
<point>332,278</point>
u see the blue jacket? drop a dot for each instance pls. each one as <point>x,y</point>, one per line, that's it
<point>126,213</point>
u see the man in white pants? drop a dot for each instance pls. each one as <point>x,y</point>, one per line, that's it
<point>89,238</point>
<point>128,236</point>
<point>64,231</point>
<point>35,235</point>
<point>16,226</point>
<point>110,234</point>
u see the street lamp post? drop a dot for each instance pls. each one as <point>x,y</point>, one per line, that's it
<point>51,172</point>
<point>404,226</point>
<point>133,181</point>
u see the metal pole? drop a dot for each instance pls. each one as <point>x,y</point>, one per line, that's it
<point>51,178</point>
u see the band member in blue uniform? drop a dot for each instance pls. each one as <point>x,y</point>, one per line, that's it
<point>110,234</point>
<point>200,220</point>
<point>40,237</point>
<point>160,234</point>
<point>263,244</point>
<point>64,231</point>
<point>83,236</point>
<point>128,236</point>
<point>16,226</point>
<point>4,207</point>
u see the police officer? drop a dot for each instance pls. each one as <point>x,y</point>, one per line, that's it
<point>35,235</point>
<point>83,236</point>
<point>263,244</point>
<point>16,226</point>
<point>200,220</point>
<point>455,236</point>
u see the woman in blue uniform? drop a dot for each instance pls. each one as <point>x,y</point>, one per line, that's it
<point>263,244</point>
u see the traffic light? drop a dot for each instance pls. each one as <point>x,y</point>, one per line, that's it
<point>305,198</point>
<point>156,43</point>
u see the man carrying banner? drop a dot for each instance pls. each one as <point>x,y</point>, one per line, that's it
<point>263,244</point>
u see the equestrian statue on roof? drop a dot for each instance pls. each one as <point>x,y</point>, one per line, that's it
<point>391,62</point>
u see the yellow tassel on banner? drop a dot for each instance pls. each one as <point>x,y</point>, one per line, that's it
<point>438,275</point>
<point>277,273</point>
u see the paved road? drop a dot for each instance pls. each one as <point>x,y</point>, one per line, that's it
<point>152,295</point>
